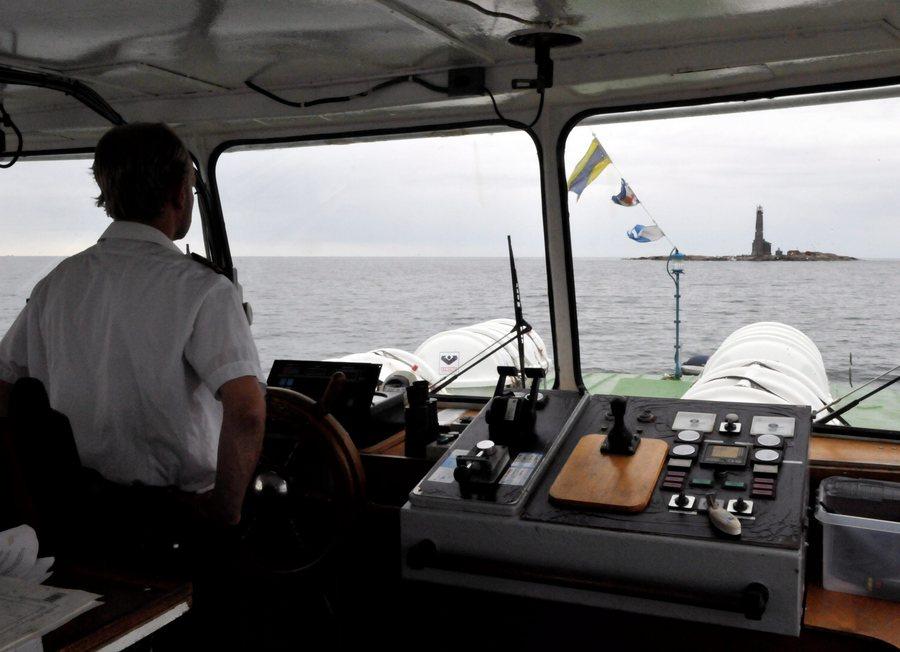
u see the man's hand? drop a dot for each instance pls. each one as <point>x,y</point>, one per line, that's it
<point>240,442</point>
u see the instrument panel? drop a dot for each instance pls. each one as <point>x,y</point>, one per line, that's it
<point>769,477</point>
<point>711,524</point>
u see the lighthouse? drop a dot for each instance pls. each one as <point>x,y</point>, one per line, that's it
<point>760,246</point>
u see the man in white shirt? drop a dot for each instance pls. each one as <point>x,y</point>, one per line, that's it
<point>147,351</point>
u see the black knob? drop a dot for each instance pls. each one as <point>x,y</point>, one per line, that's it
<point>462,474</point>
<point>646,416</point>
<point>740,505</point>
<point>754,599</point>
<point>681,499</point>
<point>421,554</point>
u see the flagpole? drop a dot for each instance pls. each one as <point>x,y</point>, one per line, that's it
<point>676,270</point>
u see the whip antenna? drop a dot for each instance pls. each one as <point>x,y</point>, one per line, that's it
<point>521,326</point>
<point>856,389</point>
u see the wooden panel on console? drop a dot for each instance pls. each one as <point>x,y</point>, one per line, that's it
<point>622,483</point>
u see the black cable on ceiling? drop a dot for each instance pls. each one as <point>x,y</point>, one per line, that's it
<point>510,122</point>
<point>81,92</point>
<point>415,79</point>
<point>501,14</point>
<point>7,121</point>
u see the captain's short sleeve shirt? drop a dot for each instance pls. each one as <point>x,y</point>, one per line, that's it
<point>133,340</point>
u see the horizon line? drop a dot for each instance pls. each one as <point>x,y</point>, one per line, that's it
<point>503,257</point>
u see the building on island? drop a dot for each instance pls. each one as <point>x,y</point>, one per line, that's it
<point>760,246</point>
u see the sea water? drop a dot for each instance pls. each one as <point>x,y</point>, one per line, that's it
<point>315,308</point>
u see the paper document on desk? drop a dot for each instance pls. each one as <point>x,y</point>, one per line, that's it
<point>449,415</point>
<point>29,610</point>
<point>18,555</point>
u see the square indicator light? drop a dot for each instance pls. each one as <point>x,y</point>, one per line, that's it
<point>699,421</point>
<point>781,426</point>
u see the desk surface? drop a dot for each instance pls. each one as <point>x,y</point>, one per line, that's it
<point>852,614</point>
<point>130,602</point>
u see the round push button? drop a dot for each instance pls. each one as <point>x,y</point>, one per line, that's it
<point>684,450</point>
<point>766,455</point>
<point>769,441</point>
<point>689,436</point>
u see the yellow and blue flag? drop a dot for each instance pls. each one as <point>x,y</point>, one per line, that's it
<point>589,167</point>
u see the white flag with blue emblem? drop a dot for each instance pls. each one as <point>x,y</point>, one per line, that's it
<point>641,233</point>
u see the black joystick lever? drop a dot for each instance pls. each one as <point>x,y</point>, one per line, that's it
<point>619,440</point>
<point>512,416</point>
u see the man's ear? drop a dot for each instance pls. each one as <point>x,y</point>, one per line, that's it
<point>179,194</point>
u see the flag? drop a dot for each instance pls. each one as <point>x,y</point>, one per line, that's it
<point>626,196</point>
<point>590,166</point>
<point>641,233</point>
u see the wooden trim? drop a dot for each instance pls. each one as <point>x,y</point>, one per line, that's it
<point>874,459</point>
<point>835,452</point>
<point>852,614</point>
<point>393,445</point>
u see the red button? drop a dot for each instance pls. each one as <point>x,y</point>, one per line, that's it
<point>672,485</point>
<point>763,480</point>
<point>676,474</point>
<point>762,493</point>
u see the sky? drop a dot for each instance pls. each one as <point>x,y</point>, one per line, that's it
<point>826,177</point>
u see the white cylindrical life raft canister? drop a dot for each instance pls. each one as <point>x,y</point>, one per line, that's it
<point>395,364</point>
<point>765,362</point>
<point>447,351</point>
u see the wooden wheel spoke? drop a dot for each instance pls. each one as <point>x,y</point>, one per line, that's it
<point>321,467</point>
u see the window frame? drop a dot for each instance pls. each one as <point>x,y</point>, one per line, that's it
<point>223,250</point>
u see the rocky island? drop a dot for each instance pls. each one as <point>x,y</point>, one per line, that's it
<point>790,255</point>
<point>762,250</point>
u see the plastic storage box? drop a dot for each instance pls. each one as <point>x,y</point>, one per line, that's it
<point>860,536</point>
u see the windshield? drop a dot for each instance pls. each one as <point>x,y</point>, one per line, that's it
<point>348,248</point>
<point>786,215</point>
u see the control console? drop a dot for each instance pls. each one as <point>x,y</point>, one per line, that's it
<point>679,508</point>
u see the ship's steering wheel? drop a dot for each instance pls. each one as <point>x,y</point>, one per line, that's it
<point>308,492</point>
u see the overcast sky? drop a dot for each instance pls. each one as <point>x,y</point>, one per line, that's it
<point>826,177</point>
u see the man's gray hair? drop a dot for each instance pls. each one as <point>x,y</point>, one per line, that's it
<point>139,167</point>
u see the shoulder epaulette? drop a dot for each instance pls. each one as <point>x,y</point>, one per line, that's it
<point>206,262</point>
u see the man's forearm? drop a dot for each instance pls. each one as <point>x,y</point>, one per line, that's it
<point>240,442</point>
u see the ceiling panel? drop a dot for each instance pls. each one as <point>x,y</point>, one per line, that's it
<point>189,49</point>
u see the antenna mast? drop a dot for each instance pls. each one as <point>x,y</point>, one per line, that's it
<point>521,326</point>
